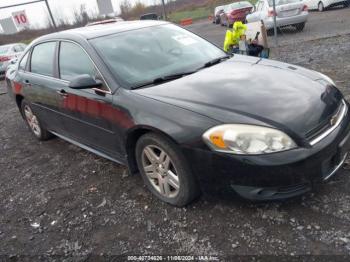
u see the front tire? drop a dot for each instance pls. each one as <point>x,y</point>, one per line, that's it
<point>320,6</point>
<point>165,171</point>
<point>33,122</point>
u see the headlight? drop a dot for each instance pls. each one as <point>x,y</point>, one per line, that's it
<point>247,139</point>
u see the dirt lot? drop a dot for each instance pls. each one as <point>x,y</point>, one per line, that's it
<point>57,199</point>
<point>319,25</point>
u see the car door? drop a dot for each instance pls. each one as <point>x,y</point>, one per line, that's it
<point>87,113</point>
<point>39,82</point>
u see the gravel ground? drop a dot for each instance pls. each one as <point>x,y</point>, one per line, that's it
<point>319,25</point>
<point>57,200</point>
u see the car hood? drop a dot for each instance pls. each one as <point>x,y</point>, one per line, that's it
<point>256,91</point>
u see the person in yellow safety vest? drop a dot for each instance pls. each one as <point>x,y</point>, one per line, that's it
<point>232,37</point>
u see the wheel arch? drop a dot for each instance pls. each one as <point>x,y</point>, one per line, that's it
<point>132,137</point>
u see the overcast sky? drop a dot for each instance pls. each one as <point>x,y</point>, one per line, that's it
<point>37,13</point>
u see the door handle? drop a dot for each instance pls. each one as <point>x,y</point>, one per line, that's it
<point>62,93</point>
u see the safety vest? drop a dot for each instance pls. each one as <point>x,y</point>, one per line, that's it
<point>232,37</point>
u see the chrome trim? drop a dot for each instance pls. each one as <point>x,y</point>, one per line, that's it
<point>336,168</point>
<point>102,91</point>
<point>48,77</point>
<point>343,112</point>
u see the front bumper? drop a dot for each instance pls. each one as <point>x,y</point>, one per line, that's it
<point>273,176</point>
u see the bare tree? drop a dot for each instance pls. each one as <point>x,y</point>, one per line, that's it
<point>81,16</point>
<point>125,8</point>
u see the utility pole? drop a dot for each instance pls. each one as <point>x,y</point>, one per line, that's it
<point>50,13</point>
<point>164,13</point>
<point>275,22</point>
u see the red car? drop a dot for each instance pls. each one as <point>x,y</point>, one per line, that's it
<point>235,12</point>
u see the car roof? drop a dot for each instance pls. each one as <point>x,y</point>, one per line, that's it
<point>100,30</point>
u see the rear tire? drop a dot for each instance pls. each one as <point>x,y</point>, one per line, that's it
<point>300,27</point>
<point>320,6</point>
<point>34,122</point>
<point>165,170</point>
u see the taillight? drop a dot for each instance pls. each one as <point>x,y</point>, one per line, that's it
<point>4,58</point>
<point>305,8</point>
<point>271,13</point>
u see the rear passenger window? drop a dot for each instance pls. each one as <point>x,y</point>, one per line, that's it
<point>42,59</point>
<point>73,61</point>
<point>22,65</point>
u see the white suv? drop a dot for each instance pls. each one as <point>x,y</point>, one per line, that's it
<point>7,53</point>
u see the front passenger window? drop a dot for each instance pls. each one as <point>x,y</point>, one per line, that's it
<point>73,61</point>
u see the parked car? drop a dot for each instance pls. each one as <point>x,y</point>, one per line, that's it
<point>235,12</point>
<point>177,109</point>
<point>217,12</point>
<point>150,16</point>
<point>288,13</point>
<point>322,5</point>
<point>7,53</point>
<point>106,21</point>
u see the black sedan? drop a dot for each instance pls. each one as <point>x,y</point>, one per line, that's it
<point>178,110</point>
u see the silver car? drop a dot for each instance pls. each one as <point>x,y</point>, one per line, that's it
<point>7,53</point>
<point>288,12</point>
<point>217,12</point>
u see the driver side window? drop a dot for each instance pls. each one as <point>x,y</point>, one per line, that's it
<point>73,61</point>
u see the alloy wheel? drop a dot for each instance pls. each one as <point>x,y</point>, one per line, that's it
<point>32,121</point>
<point>160,171</point>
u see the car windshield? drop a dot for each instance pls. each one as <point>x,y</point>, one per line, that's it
<point>4,49</point>
<point>140,56</point>
<point>240,5</point>
<point>283,2</point>
<point>217,9</point>
<point>226,8</point>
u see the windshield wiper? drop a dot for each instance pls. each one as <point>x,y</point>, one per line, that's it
<point>163,79</point>
<point>215,61</point>
<point>167,78</point>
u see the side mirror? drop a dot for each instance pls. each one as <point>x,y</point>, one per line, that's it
<point>253,10</point>
<point>84,82</point>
